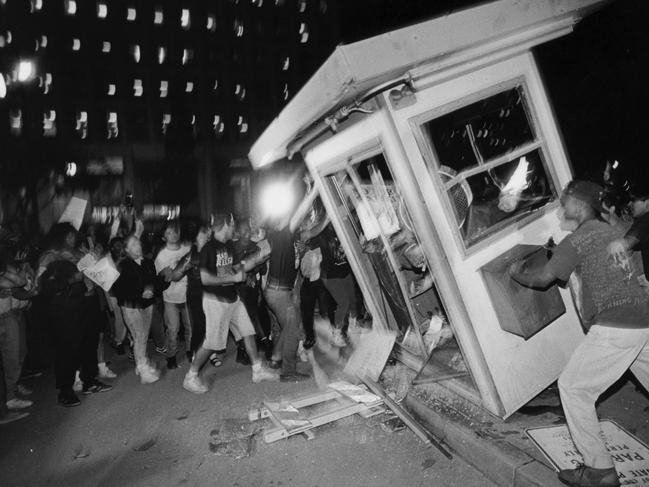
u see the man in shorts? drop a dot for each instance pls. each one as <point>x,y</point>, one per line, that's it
<point>223,309</point>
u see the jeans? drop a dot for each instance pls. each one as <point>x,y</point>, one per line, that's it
<point>119,328</point>
<point>599,361</point>
<point>157,329</point>
<point>138,322</point>
<point>10,349</point>
<point>173,313</point>
<point>310,292</point>
<point>284,307</point>
<point>344,293</point>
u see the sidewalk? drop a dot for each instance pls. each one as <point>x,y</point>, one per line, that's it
<point>500,449</point>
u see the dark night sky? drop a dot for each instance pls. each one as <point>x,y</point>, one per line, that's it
<point>596,77</point>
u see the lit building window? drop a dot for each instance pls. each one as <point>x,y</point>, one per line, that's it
<point>162,54</point>
<point>47,83</point>
<point>217,125</point>
<point>111,89</point>
<point>185,19</point>
<point>105,46</point>
<point>112,126</point>
<point>131,14</point>
<point>188,55</point>
<point>49,123</point>
<point>304,33</point>
<point>9,37</point>
<point>70,7</point>
<point>166,120</point>
<point>37,45</point>
<point>164,89</point>
<point>135,51</point>
<point>189,87</point>
<point>43,41</point>
<point>240,92</point>
<point>36,5</point>
<point>16,121</point>
<point>193,122</point>
<point>76,44</point>
<point>138,89</point>
<point>286,63</point>
<point>242,124</point>
<point>238,28</point>
<point>82,124</point>
<point>285,92</point>
<point>302,6</point>
<point>102,10</point>
<point>211,23</point>
<point>158,16</point>
<point>216,85</point>
<point>3,41</point>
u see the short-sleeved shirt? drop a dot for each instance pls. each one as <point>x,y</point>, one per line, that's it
<point>218,258</point>
<point>640,231</point>
<point>177,290</point>
<point>282,270</point>
<point>611,294</point>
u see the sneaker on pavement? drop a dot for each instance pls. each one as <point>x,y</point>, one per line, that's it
<point>96,386</point>
<point>584,476</point>
<point>147,373</point>
<point>337,338</point>
<point>193,383</point>
<point>105,372</point>
<point>78,384</point>
<point>23,391</point>
<point>264,374</point>
<point>294,377</point>
<point>12,416</point>
<point>68,399</point>
<point>17,403</point>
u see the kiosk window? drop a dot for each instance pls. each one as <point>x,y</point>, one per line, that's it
<point>491,162</point>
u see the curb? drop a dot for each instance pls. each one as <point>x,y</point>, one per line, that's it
<point>499,461</point>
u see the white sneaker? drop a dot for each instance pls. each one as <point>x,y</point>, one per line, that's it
<point>337,338</point>
<point>105,372</point>
<point>301,353</point>
<point>78,383</point>
<point>263,373</point>
<point>193,383</point>
<point>147,373</point>
<point>16,403</point>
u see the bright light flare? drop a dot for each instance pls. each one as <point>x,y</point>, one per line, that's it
<point>25,70</point>
<point>3,86</point>
<point>277,200</point>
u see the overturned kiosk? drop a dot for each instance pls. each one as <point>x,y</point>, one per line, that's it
<point>437,156</point>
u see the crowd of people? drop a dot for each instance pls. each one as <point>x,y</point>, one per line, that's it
<point>188,283</point>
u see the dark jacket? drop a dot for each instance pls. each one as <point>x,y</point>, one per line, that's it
<point>132,281</point>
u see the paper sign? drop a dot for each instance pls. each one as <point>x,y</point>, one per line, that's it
<point>74,212</point>
<point>102,272</point>
<point>629,454</point>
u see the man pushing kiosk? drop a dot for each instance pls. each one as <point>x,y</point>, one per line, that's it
<point>615,313</point>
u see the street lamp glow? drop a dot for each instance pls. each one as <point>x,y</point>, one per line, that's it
<point>25,70</point>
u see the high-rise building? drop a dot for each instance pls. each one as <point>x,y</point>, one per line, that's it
<point>156,97</point>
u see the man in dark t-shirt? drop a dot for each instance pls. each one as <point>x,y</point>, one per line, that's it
<point>614,310</point>
<point>223,309</point>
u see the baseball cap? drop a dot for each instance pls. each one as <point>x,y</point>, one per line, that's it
<point>586,191</point>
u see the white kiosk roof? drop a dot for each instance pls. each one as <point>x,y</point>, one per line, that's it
<point>353,70</point>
